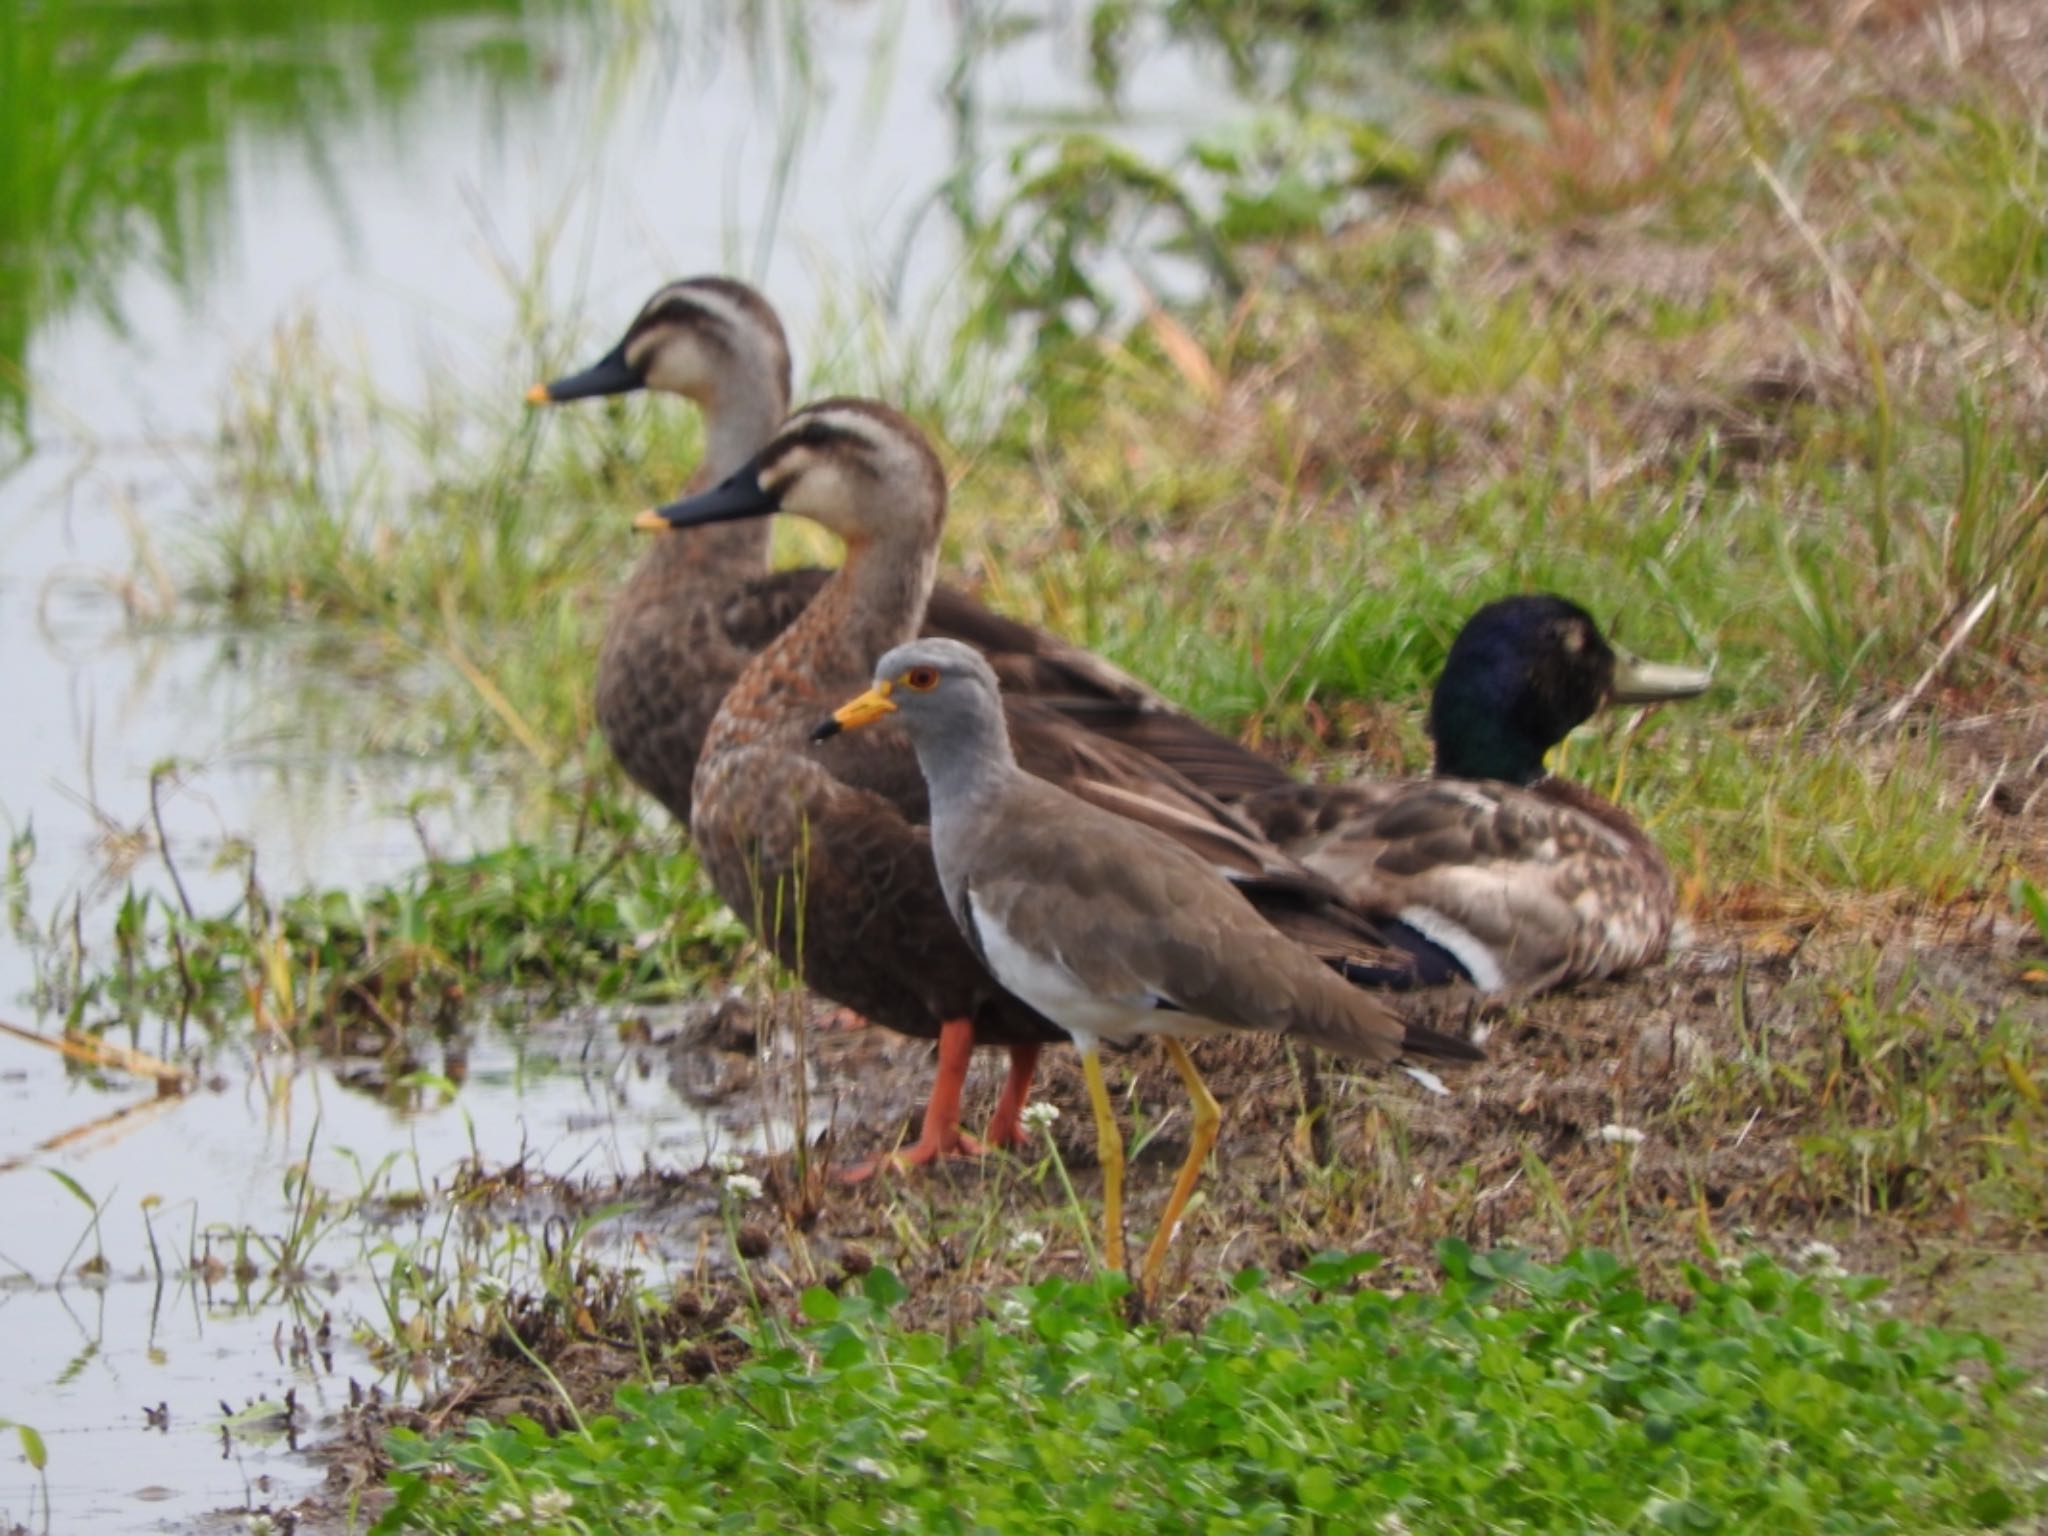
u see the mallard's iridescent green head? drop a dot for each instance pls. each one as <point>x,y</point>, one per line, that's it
<point>1523,672</point>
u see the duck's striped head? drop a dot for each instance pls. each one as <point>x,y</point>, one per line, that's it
<point>691,338</point>
<point>856,467</point>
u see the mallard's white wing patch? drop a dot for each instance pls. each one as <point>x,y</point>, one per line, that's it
<point>1465,946</point>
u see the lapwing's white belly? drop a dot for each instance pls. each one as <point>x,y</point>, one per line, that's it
<point>1047,985</point>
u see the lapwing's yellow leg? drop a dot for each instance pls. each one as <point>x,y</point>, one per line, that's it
<point>1208,1117</point>
<point>1109,1148</point>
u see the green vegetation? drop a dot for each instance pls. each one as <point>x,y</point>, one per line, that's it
<point>1518,1397</point>
<point>610,915</point>
<point>116,123</point>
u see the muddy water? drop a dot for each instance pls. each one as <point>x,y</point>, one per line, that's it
<point>199,176</point>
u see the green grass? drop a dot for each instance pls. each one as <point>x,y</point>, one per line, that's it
<point>608,912</point>
<point>1516,1397</point>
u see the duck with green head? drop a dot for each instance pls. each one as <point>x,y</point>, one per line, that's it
<point>1511,877</point>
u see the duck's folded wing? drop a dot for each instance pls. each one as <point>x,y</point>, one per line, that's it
<point>1093,697</point>
<point>1101,698</point>
<point>1524,890</point>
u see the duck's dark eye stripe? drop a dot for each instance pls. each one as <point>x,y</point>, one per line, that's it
<point>854,448</point>
<point>817,433</point>
<point>680,309</point>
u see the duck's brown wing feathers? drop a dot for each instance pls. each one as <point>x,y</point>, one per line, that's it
<point>1080,686</point>
<point>1528,887</point>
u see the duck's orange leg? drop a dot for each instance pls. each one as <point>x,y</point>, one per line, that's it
<point>942,1135</point>
<point>1006,1125</point>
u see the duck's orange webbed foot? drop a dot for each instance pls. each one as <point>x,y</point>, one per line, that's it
<point>942,1136</point>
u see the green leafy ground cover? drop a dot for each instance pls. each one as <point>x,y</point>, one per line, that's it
<point>1515,1397</point>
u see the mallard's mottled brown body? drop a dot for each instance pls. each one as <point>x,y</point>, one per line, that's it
<point>1556,885</point>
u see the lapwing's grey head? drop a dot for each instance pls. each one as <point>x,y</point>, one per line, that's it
<point>693,338</point>
<point>934,687</point>
<point>1523,673</point>
<point>854,466</point>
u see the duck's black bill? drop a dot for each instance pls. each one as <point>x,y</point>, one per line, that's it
<point>611,376</point>
<point>741,496</point>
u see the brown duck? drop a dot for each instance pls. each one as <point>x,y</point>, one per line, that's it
<point>701,604</point>
<point>825,852</point>
<point>1515,878</point>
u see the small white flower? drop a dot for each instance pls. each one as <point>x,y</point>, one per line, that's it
<point>259,1524</point>
<point>1821,1259</point>
<point>727,1162</point>
<point>508,1513</point>
<point>1039,1116</point>
<point>1012,1311</point>
<point>1027,1242</point>
<point>743,1186</point>
<point>1619,1135</point>
<point>490,1287</point>
<point>1393,1525</point>
<point>550,1502</point>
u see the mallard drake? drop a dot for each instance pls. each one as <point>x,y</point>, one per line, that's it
<point>1523,879</point>
<point>825,852</point>
<point>1105,926</point>
<point>700,605</point>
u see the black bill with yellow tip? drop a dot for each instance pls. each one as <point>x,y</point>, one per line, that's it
<point>855,713</point>
<point>610,375</point>
<point>741,496</point>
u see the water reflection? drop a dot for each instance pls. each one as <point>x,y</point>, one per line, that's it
<point>119,118</point>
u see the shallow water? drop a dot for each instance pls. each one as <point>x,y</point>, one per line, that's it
<point>193,176</point>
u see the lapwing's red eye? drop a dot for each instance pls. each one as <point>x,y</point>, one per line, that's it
<point>921,679</point>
